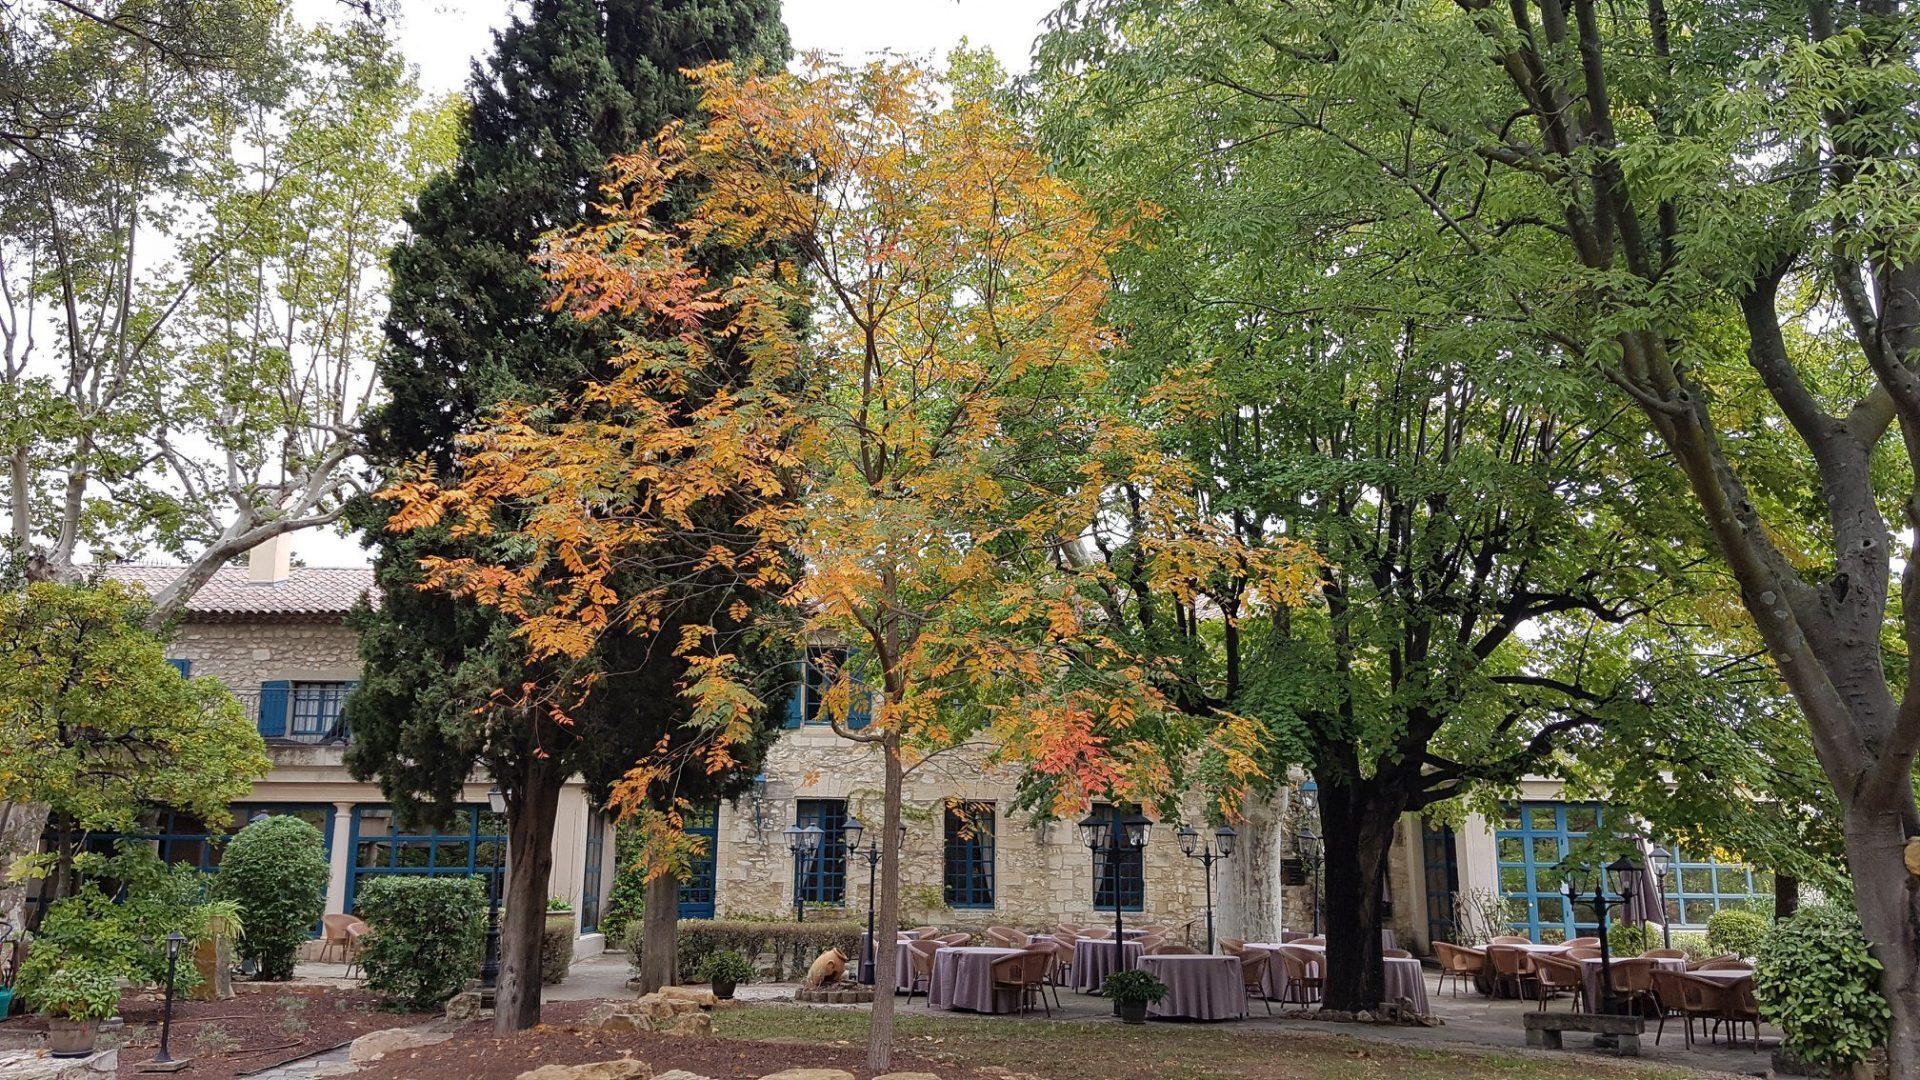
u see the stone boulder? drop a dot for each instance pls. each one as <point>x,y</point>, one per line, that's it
<point>908,1076</point>
<point>680,1074</point>
<point>616,1069</point>
<point>37,1064</point>
<point>377,1044</point>
<point>669,1014</point>
<point>701,997</point>
<point>809,1074</point>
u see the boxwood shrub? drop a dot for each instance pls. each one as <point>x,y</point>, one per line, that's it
<point>1736,931</point>
<point>1818,984</point>
<point>426,938</point>
<point>782,949</point>
<point>276,870</point>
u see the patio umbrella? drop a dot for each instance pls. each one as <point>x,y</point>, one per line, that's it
<point>1644,902</point>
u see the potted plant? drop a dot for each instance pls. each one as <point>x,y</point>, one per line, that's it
<point>725,969</point>
<point>1132,992</point>
<point>74,998</point>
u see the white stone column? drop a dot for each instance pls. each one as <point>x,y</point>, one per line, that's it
<point>341,857</point>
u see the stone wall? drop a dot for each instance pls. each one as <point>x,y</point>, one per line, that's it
<point>1042,873</point>
<point>243,655</point>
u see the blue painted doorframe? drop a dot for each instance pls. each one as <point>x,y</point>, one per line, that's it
<point>696,893</point>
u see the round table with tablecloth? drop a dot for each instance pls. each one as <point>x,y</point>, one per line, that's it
<point>1198,987</point>
<point>963,979</point>
<point>902,961</point>
<point>1093,962</point>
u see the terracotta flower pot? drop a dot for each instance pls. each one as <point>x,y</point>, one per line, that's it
<point>71,1038</point>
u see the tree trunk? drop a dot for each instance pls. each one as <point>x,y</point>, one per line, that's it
<point>1786,896</point>
<point>659,956</point>
<point>1889,906</point>
<point>880,1022</point>
<point>532,804</point>
<point>21,826</point>
<point>1358,829</point>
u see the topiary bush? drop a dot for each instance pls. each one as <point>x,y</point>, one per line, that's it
<point>426,937</point>
<point>1629,939</point>
<point>1819,985</point>
<point>556,946</point>
<point>1694,945</point>
<point>1737,932</point>
<point>276,870</point>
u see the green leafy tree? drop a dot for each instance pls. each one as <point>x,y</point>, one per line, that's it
<point>275,870</point>
<point>96,725</point>
<point>568,86</point>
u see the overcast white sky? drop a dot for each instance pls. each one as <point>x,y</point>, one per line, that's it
<point>443,37</point>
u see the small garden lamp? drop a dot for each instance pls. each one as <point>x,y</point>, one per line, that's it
<point>1112,832</point>
<point>1660,861</point>
<point>803,841</point>
<point>164,1060</point>
<point>490,970</point>
<point>1222,847</point>
<point>851,834</point>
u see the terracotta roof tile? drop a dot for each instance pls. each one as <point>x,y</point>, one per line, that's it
<point>308,592</point>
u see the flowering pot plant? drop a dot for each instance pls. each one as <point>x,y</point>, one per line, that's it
<point>1132,992</point>
<point>725,969</point>
<point>74,998</point>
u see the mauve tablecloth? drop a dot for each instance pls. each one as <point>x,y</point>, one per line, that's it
<point>1198,987</point>
<point>1093,962</point>
<point>1405,980</point>
<point>963,979</point>
<point>902,961</point>
<point>1387,941</point>
<point>1590,974</point>
<point>1726,976</point>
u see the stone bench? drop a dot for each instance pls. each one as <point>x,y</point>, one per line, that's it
<point>1618,1033</point>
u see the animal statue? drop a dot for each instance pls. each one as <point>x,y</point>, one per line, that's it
<point>828,968</point>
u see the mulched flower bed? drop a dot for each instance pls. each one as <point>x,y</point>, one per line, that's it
<point>477,1054</point>
<point>264,1024</point>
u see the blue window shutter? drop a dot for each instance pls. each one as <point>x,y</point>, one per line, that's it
<point>274,699</point>
<point>860,708</point>
<point>796,706</point>
<point>184,667</point>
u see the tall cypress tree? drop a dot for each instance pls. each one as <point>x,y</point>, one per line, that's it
<point>569,85</point>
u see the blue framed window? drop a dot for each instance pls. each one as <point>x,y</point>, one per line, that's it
<point>823,666</point>
<point>314,711</point>
<point>1127,872</point>
<point>696,893</point>
<point>821,878</point>
<point>590,872</point>
<point>969,854</point>
<point>1532,839</point>
<point>1698,886</point>
<point>474,845</point>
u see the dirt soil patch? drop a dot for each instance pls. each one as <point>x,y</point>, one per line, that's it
<point>265,1024</point>
<point>475,1052</point>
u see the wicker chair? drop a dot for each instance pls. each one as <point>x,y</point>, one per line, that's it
<point>334,935</point>
<point>920,967</point>
<point>1511,939</point>
<point>1557,973</point>
<point>1697,999</point>
<point>1582,952</point>
<point>925,932</point>
<point>1739,1008</point>
<point>1633,981</point>
<point>1253,977</point>
<point>1458,963</point>
<point>1396,954</point>
<point>1232,946</point>
<point>1590,942</point>
<point>1006,937</point>
<point>1720,963</point>
<point>955,940</point>
<point>1171,948</point>
<point>1299,967</point>
<point>1512,967</point>
<point>1666,954</point>
<point>1314,939</point>
<point>1026,972</point>
<point>1097,934</point>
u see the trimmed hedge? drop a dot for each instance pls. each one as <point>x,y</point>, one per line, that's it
<point>427,937</point>
<point>1630,939</point>
<point>780,949</point>
<point>1817,982</point>
<point>556,948</point>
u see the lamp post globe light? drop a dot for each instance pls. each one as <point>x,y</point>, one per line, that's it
<point>1312,858</point>
<point>1618,874</point>
<point>1224,839</point>
<point>1114,833</point>
<point>803,841</point>
<point>1660,861</point>
<point>850,836</point>
<point>490,970</point>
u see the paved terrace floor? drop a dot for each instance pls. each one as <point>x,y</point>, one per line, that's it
<point>1470,1020</point>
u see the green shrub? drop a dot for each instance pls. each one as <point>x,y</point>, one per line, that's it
<point>556,945</point>
<point>1737,932</point>
<point>627,899</point>
<point>1133,988</point>
<point>76,990</point>
<point>1693,944</point>
<point>125,934</point>
<point>780,947</point>
<point>1817,982</point>
<point>1629,939</point>
<point>276,871</point>
<point>425,939</point>
<point>725,965</point>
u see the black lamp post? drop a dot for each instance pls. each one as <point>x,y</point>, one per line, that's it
<point>1114,834</point>
<point>164,1060</point>
<point>1222,847</point>
<point>1660,861</point>
<point>1312,858</point>
<point>490,970</point>
<point>850,834</point>
<point>803,842</point>
<point>1573,887</point>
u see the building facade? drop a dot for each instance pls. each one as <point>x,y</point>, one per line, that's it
<point>276,635</point>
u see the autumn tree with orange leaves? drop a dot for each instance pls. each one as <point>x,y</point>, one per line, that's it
<point>940,451</point>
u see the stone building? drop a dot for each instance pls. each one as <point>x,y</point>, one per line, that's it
<point>276,635</point>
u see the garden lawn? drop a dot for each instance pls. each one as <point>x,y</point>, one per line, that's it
<point>753,1040</point>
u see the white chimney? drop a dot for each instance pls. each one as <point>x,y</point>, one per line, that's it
<point>271,560</point>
